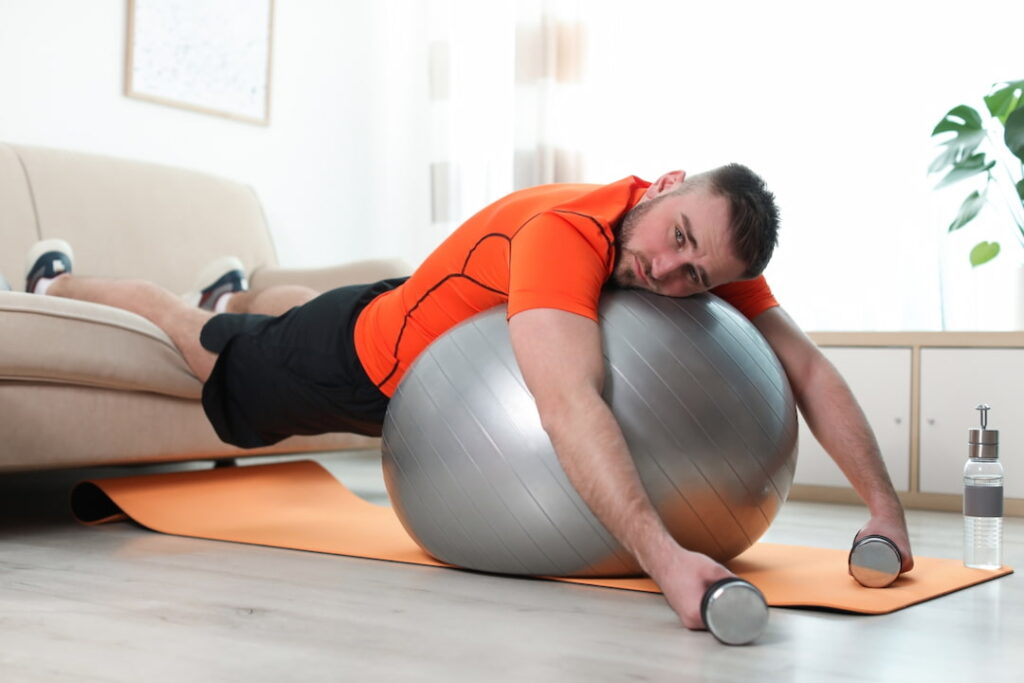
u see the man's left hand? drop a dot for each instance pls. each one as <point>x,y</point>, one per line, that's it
<point>893,527</point>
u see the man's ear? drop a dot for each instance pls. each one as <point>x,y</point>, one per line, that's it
<point>665,183</point>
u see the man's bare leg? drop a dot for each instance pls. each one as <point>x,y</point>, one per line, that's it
<point>271,301</point>
<point>180,321</point>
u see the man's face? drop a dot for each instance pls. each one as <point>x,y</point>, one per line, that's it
<point>677,244</point>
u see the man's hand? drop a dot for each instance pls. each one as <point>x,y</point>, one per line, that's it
<point>683,577</point>
<point>893,527</point>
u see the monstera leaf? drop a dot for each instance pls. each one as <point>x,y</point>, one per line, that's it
<point>1013,136</point>
<point>967,168</point>
<point>968,210</point>
<point>961,156</point>
<point>968,132</point>
<point>1005,99</point>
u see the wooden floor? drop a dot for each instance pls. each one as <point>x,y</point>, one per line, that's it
<point>119,603</point>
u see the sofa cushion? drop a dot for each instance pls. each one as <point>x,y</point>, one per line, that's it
<point>48,339</point>
<point>49,426</point>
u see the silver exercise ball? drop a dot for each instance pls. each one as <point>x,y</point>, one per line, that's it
<point>703,402</point>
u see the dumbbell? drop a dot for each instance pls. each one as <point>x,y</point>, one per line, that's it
<point>734,611</point>
<point>875,561</point>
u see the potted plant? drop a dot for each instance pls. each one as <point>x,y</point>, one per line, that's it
<point>975,149</point>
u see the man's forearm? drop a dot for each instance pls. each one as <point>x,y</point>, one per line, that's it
<point>560,356</point>
<point>837,421</point>
<point>595,457</point>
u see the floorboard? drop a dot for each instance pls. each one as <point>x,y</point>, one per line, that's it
<point>119,603</point>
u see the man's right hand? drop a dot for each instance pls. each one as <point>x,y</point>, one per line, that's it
<point>683,577</point>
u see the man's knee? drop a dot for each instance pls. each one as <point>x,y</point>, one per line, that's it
<point>271,301</point>
<point>184,330</point>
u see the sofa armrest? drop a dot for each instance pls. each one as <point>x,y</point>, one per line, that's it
<point>323,279</point>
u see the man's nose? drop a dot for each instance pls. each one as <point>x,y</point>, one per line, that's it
<point>666,265</point>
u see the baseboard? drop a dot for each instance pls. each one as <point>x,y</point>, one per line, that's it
<point>944,502</point>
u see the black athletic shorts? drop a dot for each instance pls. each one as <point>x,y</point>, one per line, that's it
<point>294,374</point>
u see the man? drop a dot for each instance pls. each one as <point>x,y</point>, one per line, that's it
<point>292,362</point>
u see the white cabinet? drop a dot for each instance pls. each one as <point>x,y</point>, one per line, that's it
<point>918,391</point>
<point>953,382</point>
<point>880,379</point>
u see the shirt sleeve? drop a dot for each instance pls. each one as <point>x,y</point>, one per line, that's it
<point>553,265</point>
<point>750,297</point>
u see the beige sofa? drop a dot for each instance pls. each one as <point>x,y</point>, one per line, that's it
<point>83,384</point>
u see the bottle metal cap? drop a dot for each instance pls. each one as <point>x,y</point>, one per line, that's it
<point>982,443</point>
<point>983,436</point>
<point>875,561</point>
<point>734,611</point>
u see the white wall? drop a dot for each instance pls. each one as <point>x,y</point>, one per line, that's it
<point>325,168</point>
<point>833,103</point>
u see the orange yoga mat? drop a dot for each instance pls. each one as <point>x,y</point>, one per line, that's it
<point>300,505</point>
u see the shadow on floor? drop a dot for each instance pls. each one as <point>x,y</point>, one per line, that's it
<point>31,501</point>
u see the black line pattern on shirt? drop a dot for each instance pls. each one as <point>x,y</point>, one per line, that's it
<point>602,229</point>
<point>463,276</point>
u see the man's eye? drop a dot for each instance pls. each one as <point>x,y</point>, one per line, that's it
<point>679,237</point>
<point>693,274</point>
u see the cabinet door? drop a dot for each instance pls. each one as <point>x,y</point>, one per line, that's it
<point>880,380</point>
<point>953,382</point>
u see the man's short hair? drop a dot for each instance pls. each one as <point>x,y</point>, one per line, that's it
<point>753,213</point>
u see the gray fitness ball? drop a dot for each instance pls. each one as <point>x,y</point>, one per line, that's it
<point>703,402</point>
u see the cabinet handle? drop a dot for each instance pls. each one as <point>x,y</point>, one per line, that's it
<point>931,420</point>
<point>899,420</point>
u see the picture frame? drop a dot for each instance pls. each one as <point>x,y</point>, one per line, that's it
<point>212,57</point>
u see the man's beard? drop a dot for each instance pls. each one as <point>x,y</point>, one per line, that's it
<point>623,234</point>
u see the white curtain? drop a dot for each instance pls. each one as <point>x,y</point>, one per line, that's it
<point>549,68</point>
<point>503,77</point>
<point>832,105</point>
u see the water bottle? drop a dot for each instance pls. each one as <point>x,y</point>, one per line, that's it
<point>983,498</point>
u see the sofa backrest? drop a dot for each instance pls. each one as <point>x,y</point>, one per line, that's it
<point>17,217</point>
<point>126,218</point>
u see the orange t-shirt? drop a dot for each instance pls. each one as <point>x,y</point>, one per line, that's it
<point>551,246</point>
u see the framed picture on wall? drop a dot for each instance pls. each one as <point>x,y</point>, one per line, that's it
<point>211,56</point>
